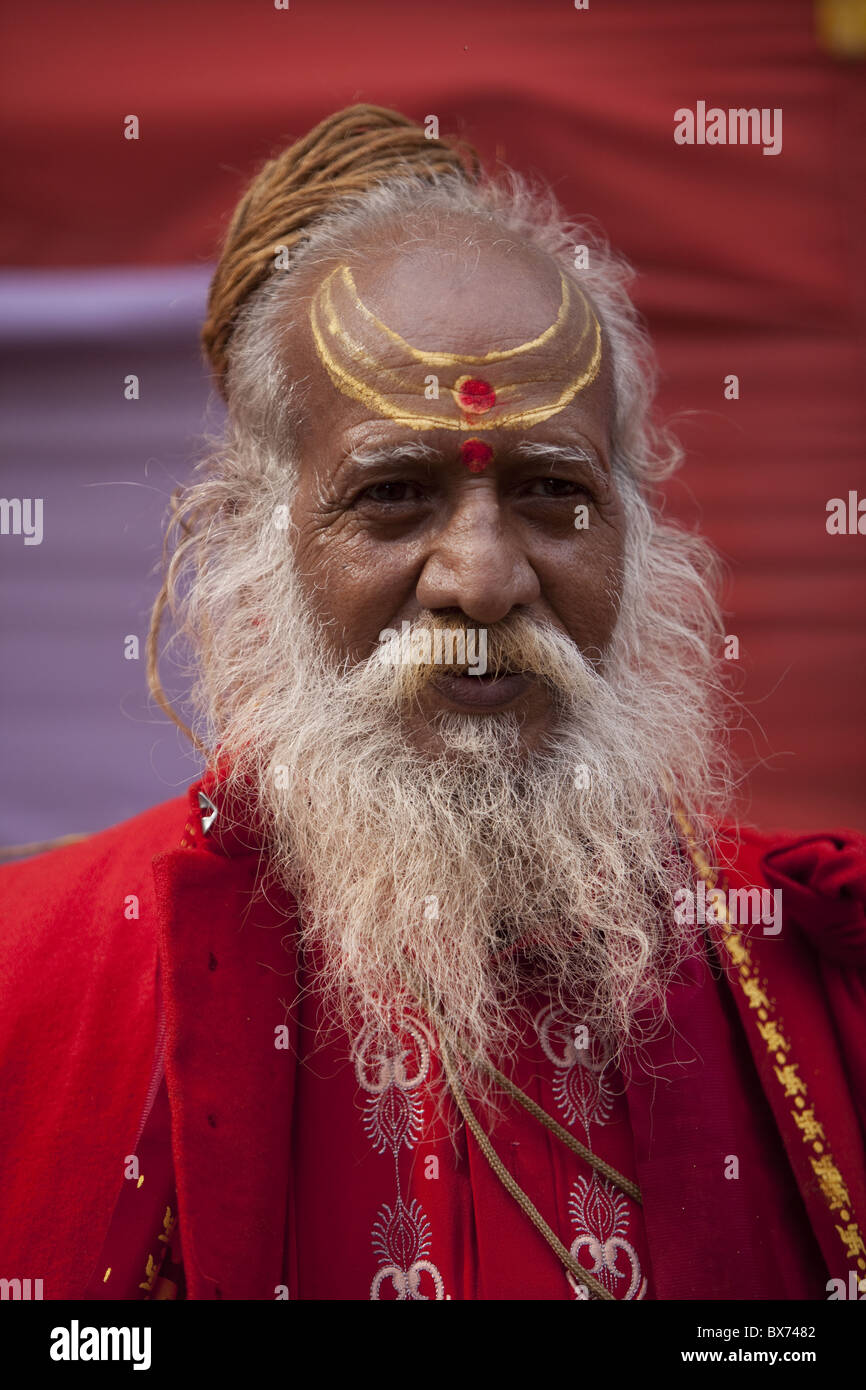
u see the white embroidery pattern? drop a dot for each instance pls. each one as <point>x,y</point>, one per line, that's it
<point>600,1216</point>
<point>393,1115</point>
<point>599,1211</point>
<point>579,1084</point>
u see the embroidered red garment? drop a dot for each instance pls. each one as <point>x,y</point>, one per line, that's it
<point>393,1199</point>
<point>385,1205</point>
<point>763,1065</point>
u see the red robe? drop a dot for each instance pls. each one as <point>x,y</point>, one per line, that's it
<point>149,942</point>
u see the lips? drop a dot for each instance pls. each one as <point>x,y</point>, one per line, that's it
<point>481,692</point>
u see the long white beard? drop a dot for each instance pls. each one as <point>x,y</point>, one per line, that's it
<point>487,874</point>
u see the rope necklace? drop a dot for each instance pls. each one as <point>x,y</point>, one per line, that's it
<point>512,1187</point>
<point>601,1165</point>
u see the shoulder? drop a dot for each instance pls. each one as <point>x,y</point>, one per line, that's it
<point>151,831</point>
<point>821,876</point>
<point>66,906</point>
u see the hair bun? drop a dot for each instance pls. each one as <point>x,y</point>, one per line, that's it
<point>345,154</point>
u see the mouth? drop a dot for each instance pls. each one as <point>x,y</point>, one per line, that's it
<point>482,692</point>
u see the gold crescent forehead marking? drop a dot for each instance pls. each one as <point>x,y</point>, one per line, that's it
<point>324,321</point>
<point>451,359</point>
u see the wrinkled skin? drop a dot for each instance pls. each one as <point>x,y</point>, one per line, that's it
<point>375,547</point>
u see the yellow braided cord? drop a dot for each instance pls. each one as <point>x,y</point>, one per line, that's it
<point>514,1190</point>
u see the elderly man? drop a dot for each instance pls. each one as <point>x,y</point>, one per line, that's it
<point>450,979</point>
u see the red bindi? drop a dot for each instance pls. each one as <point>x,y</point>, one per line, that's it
<point>476,455</point>
<point>475,396</point>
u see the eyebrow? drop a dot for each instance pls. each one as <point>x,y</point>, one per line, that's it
<point>370,457</point>
<point>563,454</point>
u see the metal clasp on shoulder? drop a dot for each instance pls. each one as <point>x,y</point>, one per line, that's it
<point>209,813</point>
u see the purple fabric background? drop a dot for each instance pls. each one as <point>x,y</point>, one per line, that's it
<point>83,744</point>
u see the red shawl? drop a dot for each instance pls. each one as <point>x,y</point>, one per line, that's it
<point>86,927</point>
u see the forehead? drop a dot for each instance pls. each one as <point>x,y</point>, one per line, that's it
<point>453,335</point>
<point>449,290</point>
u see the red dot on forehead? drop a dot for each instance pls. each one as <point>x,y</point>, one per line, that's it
<point>475,454</point>
<point>475,395</point>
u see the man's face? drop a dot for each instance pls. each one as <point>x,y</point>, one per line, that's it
<point>397,518</point>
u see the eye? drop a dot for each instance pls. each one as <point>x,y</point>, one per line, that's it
<point>556,487</point>
<point>392,491</point>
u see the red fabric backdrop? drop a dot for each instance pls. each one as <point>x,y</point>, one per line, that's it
<point>748,264</point>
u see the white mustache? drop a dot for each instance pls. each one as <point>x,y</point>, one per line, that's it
<point>406,661</point>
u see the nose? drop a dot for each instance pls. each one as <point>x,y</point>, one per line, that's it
<point>477,563</point>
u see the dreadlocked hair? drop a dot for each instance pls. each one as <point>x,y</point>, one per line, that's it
<point>344,155</point>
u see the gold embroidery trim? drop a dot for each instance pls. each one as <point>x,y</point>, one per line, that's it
<point>153,1266</point>
<point>188,840</point>
<point>770,1027</point>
